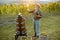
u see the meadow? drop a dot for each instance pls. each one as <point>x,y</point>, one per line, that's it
<point>50,23</point>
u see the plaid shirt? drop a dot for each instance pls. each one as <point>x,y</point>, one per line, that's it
<point>20,25</point>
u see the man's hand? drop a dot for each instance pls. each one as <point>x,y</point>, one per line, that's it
<point>37,17</point>
<point>28,10</point>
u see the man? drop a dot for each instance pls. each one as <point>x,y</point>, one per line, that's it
<point>20,26</point>
<point>37,16</point>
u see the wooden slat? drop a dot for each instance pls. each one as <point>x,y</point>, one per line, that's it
<point>30,38</point>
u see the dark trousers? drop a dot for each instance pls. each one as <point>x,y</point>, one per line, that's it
<point>19,34</point>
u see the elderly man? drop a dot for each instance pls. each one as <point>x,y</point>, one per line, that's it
<point>37,16</point>
<point>20,26</point>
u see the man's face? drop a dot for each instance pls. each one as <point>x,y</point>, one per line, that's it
<point>36,7</point>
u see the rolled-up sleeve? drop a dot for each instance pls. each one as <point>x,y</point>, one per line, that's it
<point>31,11</point>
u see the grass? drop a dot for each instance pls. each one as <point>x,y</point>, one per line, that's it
<point>49,24</point>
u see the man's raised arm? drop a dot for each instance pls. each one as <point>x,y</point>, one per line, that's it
<point>30,11</point>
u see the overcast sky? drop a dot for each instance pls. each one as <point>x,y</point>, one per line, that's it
<point>49,0</point>
<point>8,1</point>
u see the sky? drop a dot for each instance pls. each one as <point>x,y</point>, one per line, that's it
<point>50,0</point>
<point>9,1</point>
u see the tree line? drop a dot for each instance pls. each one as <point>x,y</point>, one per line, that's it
<point>14,9</point>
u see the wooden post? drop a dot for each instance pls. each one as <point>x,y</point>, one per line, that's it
<point>42,37</point>
<point>23,37</point>
<point>31,38</point>
<point>20,38</point>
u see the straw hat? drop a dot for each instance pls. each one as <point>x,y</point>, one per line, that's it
<point>20,14</point>
<point>37,4</point>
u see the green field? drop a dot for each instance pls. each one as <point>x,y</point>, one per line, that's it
<point>49,24</point>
